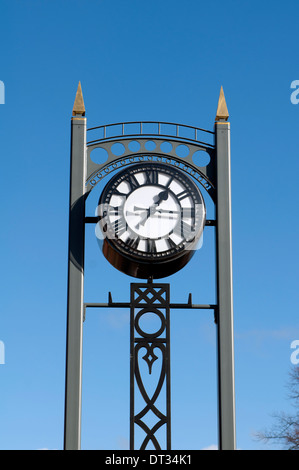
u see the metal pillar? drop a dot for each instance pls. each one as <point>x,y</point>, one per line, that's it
<point>227,439</point>
<point>72,430</point>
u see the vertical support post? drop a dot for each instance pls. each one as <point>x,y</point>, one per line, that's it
<point>72,429</point>
<point>227,437</point>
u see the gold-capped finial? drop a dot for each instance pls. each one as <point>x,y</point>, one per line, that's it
<point>222,111</point>
<point>79,107</point>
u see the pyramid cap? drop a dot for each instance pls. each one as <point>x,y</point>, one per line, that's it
<point>222,111</point>
<point>79,107</point>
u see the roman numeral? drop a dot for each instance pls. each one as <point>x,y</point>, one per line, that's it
<point>188,212</point>
<point>151,177</point>
<point>169,182</point>
<point>120,227</point>
<point>133,242</point>
<point>183,230</point>
<point>114,210</point>
<point>183,195</point>
<point>133,182</point>
<point>151,246</point>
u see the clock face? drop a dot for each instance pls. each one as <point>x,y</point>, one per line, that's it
<point>151,213</point>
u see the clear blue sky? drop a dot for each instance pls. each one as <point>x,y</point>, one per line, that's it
<point>158,60</point>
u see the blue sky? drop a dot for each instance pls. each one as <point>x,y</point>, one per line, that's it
<point>165,61</point>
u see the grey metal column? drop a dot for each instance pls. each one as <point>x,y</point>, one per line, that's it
<point>72,429</point>
<point>227,434</point>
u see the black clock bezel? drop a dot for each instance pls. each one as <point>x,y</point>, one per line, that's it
<point>142,264</point>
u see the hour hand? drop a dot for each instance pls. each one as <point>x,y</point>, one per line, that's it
<point>162,196</point>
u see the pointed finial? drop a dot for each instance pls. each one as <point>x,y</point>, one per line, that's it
<point>222,111</point>
<point>79,107</point>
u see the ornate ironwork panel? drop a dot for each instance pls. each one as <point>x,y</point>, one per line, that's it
<point>150,366</point>
<point>114,146</point>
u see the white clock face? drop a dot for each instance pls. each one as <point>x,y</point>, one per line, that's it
<point>152,211</point>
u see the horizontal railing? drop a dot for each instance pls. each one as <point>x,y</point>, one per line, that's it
<point>150,129</point>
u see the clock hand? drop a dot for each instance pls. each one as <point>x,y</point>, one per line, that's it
<point>144,218</point>
<point>162,211</point>
<point>156,214</point>
<point>187,211</point>
<point>168,216</point>
<point>162,196</point>
<point>159,213</point>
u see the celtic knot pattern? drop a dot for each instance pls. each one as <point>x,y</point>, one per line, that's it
<point>150,299</point>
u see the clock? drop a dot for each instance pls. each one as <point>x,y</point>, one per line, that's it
<point>151,216</point>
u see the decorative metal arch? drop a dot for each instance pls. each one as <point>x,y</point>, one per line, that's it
<point>128,148</point>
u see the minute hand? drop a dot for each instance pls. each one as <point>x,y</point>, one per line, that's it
<point>185,211</point>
